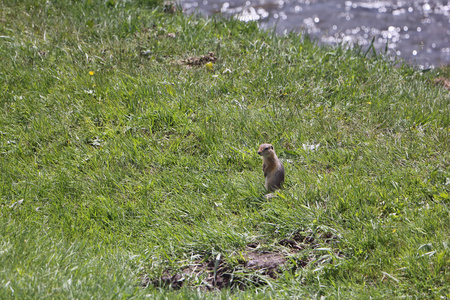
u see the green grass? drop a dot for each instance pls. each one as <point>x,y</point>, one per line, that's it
<point>115,165</point>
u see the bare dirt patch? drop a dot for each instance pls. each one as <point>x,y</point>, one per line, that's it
<point>267,261</point>
<point>445,82</point>
<point>203,274</point>
<point>200,60</point>
<point>252,267</point>
<point>217,274</point>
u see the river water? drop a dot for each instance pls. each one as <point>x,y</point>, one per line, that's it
<point>416,31</point>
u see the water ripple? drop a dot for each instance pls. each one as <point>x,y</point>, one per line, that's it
<point>417,31</point>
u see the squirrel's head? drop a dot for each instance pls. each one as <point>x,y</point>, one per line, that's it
<point>265,149</point>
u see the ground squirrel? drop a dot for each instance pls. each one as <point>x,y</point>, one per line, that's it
<point>272,167</point>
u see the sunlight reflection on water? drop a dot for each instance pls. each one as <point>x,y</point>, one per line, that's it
<point>417,31</point>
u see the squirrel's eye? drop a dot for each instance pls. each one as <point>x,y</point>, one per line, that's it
<point>266,148</point>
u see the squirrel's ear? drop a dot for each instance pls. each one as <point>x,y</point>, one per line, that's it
<point>271,147</point>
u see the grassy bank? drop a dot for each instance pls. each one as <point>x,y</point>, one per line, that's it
<point>128,160</point>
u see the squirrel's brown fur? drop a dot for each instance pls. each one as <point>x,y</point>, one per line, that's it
<point>272,167</point>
